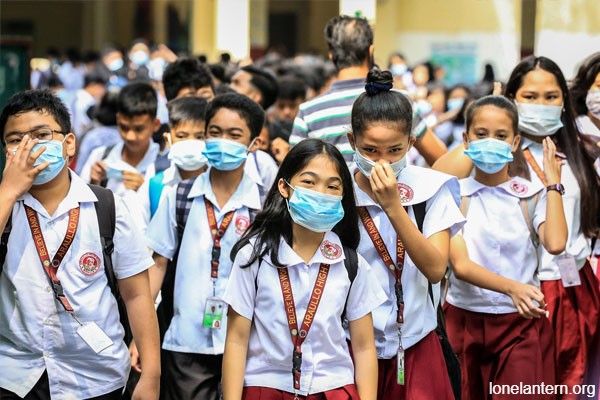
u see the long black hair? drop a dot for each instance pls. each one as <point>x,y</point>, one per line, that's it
<point>274,221</point>
<point>586,76</point>
<point>566,140</point>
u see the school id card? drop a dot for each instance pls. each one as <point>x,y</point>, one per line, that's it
<point>567,267</point>
<point>213,313</point>
<point>94,336</point>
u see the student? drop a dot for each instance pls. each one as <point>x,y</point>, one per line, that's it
<point>93,90</point>
<point>495,309</point>
<point>67,341</point>
<point>298,247</point>
<point>540,91</point>
<point>393,201</point>
<point>124,167</point>
<point>221,202</point>
<point>188,77</point>
<point>186,144</point>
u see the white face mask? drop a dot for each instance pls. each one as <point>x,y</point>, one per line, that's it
<point>592,102</point>
<point>187,154</point>
<point>365,165</point>
<point>539,119</point>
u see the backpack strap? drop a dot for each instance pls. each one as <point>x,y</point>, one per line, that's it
<point>155,189</point>
<point>107,151</point>
<point>4,241</point>
<point>351,264</point>
<point>183,205</point>
<point>106,214</point>
<point>419,211</point>
<point>528,209</point>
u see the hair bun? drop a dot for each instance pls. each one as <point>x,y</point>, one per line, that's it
<point>378,81</point>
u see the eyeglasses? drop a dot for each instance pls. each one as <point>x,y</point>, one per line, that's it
<point>43,135</point>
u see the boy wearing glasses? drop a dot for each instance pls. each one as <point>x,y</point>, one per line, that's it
<point>60,335</point>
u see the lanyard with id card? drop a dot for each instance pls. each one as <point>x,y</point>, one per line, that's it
<point>567,266</point>
<point>90,332</point>
<point>215,308</point>
<point>396,271</point>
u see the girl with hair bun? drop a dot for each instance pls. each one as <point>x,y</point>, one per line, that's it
<point>408,215</point>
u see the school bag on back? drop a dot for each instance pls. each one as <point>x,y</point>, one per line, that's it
<point>106,214</point>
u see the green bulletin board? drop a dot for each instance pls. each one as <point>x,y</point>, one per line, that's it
<point>14,71</point>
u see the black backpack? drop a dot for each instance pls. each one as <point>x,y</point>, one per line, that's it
<point>106,213</point>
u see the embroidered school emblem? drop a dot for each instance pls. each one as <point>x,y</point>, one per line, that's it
<point>241,224</point>
<point>89,263</point>
<point>518,188</point>
<point>331,251</point>
<point>406,193</point>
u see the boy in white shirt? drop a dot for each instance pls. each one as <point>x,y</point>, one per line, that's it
<point>60,335</point>
<point>222,196</point>
<point>125,166</point>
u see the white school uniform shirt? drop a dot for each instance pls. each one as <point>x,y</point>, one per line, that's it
<point>578,245</point>
<point>144,167</point>
<point>172,177</point>
<point>36,334</point>
<point>441,193</point>
<point>255,293</point>
<point>193,285</point>
<point>497,238</point>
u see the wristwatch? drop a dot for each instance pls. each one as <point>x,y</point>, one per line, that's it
<point>558,187</point>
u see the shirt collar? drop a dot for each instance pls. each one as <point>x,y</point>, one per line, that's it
<point>171,175</point>
<point>79,192</point>
<point>330,251</point>
<point>251,169</point>
<point>347,84</point>
<point>362,198</point>
<point>246,194</point>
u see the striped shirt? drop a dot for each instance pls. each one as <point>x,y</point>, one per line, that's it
<point>327,117</point>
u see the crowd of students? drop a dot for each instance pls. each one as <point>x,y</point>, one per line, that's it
<point>291,246</point>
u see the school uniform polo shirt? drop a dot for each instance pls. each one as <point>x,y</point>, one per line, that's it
<point>497,238</point>
<point>578,245</point>
<point>440,192</point>
<point>193,284</point>
<point>255,293</point>
<point>145,167</point>
<point>36,334</point>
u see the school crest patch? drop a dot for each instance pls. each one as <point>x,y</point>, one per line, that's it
<point>241,224</point>
<point>89,263</point>
<point>331,251</point>
<point>518,188</point>
<point>406,193</point>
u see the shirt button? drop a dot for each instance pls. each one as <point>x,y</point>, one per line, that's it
<point>48,289</point>
<point>46,354</point>
<point>47,321</point>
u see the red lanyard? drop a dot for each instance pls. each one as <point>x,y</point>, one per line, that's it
<point>50,267</point>
<point>298,337</point>
<point>395,269</point>
<point>217,234</point>
<point>535,166</point>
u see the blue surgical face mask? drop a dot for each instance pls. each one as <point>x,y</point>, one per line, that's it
<point>139,57</point>
<point>456,103</point>
<point>365,165</point>
<point>398,69</point>
<point>225,155</point>
<point>54,155</point>
<point>489,155</point>
<point>539,119</point>
<point>115,65</point>
<point>316,211</point>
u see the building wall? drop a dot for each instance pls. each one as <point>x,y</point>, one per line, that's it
<point>414,26</point>
<point>567,31</point>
